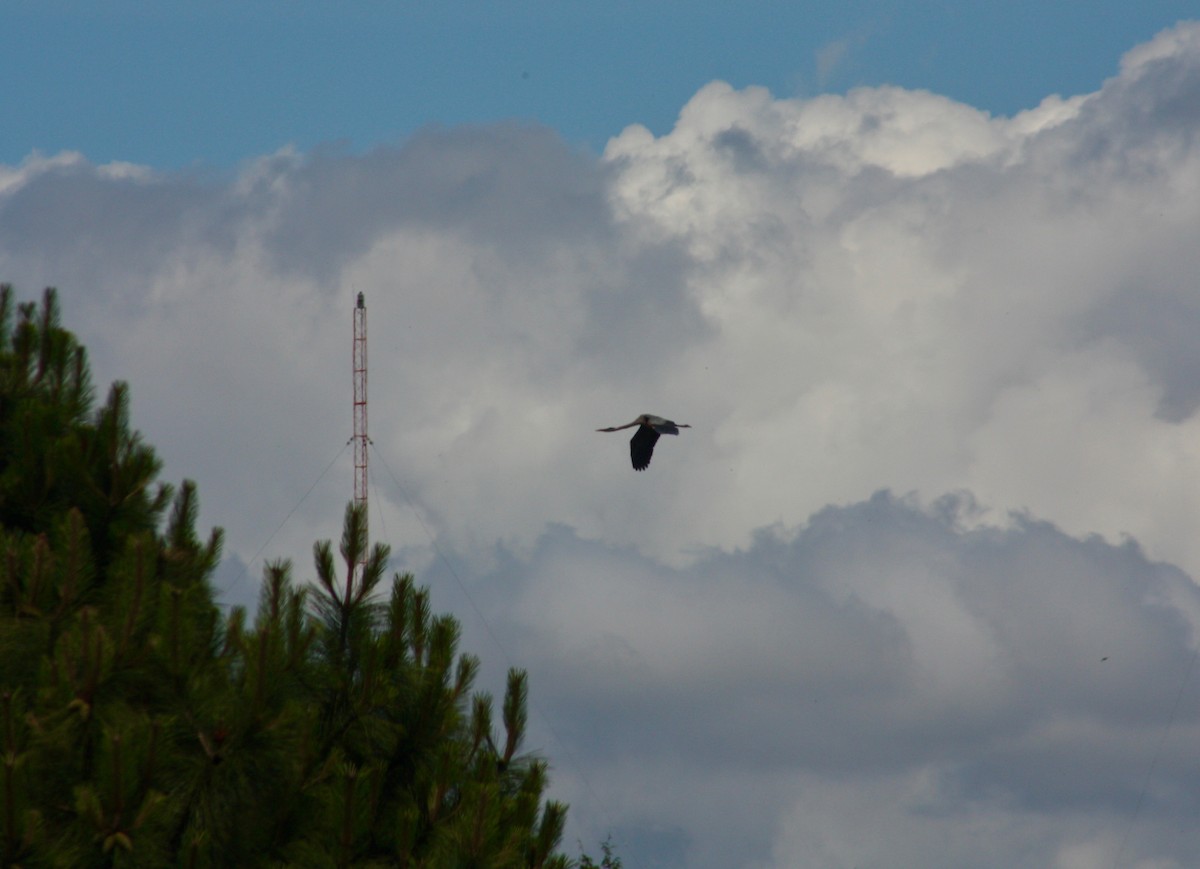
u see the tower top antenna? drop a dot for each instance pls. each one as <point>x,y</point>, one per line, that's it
<point>360,410</point>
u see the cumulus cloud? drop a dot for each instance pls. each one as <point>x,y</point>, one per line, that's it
<point>886,271</point>
<point>745,654</point>
<point>980,690</point>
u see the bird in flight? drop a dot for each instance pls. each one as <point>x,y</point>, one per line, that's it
<point>641,445</point>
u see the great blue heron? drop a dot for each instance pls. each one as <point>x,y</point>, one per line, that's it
<point>641,445</point>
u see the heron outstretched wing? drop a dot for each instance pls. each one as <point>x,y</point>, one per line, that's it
<point>641,447</point>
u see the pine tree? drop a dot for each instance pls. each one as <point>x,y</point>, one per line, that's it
<point>608,857</point>
<point>141,727</point>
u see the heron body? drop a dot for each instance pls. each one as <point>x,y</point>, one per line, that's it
<point>641,445</point>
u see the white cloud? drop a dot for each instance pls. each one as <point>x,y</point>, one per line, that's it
<point>1169,45</point>
<point>999,691</point>
<point>12,177</point>
<point>829,57</point>
<point>911,825</point>
<point>883,269</point>
<point>885,290</point>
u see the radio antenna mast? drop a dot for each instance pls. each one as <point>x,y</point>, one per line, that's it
<point>360,413</point>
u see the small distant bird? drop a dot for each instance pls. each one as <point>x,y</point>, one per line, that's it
<point>641,445</point>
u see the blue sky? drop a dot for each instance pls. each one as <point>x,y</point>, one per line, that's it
<point>918,587</point>
<point>172,84</point>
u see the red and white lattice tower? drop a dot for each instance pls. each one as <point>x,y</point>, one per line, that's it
<point>360,409</point>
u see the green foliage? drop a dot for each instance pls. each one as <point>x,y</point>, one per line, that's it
<point>139,726</point>
<point>608,859</point>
